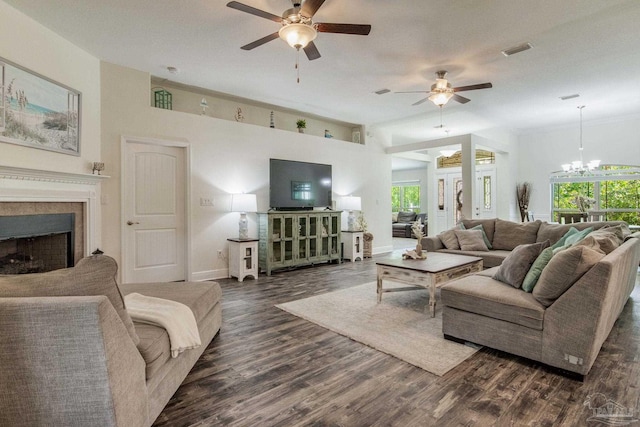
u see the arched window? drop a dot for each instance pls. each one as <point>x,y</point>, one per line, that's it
<point>611,193</point>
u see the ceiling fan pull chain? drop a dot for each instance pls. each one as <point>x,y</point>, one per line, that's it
<point>298,65</point>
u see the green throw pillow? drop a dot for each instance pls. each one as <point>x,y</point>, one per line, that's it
<point>535,271</point>
<point>484,235</point>
<point>563,239</point>
<point>576,237</point>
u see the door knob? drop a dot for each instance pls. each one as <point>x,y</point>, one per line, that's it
<point>131,222</point>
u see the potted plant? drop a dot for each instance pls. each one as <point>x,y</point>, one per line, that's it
<point>301,125</point>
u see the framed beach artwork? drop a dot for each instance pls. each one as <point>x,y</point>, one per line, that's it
<point>38,112</point>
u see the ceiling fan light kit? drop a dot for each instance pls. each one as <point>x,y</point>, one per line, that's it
<point>441,91</point>
<point>298,35</point>
<point>298,28</point>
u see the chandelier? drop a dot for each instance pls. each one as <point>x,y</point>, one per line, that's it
<point>578,166</point>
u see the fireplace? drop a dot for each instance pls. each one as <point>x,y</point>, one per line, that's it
<point>45,194</point>
<point>36,243</point>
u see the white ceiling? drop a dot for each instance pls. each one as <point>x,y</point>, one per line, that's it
<point>580,46</point>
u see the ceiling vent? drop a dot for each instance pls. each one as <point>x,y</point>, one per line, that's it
<point>517,49</point>
<point>382,91</point>
<point>564,98</point>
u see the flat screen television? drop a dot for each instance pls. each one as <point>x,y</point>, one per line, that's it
<point>299,185</point>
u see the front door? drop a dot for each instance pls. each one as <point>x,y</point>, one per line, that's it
<point>154,229</point>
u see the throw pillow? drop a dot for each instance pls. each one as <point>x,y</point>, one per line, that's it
<point>564,269</point>
<point>484,235</point>
<point>509,234</point>
<point>562,240</point>
<point>471,240</point>
<point>488,225</point>
<point>449,239</point>
<point>515,266</point>
<point>94,275</point>
<point>603,240</point>
<point>576,237</point>
<point>535,271</point>
<point>394,216</point>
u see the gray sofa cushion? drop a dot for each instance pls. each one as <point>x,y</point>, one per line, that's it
<point>516,266</point>
<point>154,345</point>
<point>488,297</point>
<point>510,234</point>
<point>94,275</point>
<point>406,216</point>
<point>200,297</point>
<point>564,269</point>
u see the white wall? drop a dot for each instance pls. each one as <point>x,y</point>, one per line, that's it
<point>30,45</point>
<point>26,43</point>
<point>230,157</point>
<point>615,141</point>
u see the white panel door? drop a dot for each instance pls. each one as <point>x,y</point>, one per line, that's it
<point>154,213</point>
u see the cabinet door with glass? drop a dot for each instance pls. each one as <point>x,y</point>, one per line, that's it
<point>283,227</point>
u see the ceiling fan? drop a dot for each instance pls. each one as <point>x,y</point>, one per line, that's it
<point>441,91</point>
<point>298,29</point>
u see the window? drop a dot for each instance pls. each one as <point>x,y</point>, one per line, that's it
<point>405,197</point>
<point>613,192</point>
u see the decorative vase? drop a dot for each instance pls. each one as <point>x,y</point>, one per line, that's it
<point>300,130</point>
<point>419,249</point>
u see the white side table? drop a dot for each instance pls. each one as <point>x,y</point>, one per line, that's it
<point>353,245</point>
<point>243,258</point>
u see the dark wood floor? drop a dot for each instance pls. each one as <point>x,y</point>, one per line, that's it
<point>270,368</point>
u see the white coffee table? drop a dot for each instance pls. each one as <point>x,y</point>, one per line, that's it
<point>431,273</point>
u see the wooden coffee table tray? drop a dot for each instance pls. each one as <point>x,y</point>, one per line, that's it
<point>431,273</point>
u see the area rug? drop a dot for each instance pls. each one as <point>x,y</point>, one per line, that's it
<point>398,326</point>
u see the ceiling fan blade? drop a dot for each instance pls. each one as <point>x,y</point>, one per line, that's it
<point>473,87</point>
<point>358,29</point>
<point>310,7</point>
<point>312,51</point>
<point>252,10</point>
<point>420,102</point>
<point>460,99</point>
<point>260,42</point>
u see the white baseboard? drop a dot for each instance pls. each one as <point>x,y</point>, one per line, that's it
<point>381,249</point>
<point>202,276</point>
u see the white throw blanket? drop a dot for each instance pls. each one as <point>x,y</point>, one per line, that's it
<point>175,317</point>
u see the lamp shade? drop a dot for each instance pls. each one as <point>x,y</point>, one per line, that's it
<point>244,203</point>
<point>351,203</point>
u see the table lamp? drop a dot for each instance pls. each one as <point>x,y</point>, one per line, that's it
<point>351,203</point>
<point>243,203</point>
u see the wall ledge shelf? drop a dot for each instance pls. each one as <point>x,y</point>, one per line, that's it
<point>27,174</point>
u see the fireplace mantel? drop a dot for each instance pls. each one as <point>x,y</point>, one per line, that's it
<point>25,174</point>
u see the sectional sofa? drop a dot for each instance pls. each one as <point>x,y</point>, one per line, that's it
<point>564,318</point>
<point>401,223</point>
<point>72,356</point>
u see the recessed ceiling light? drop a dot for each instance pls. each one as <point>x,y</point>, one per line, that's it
<point>564,98</point>
<point>517,49</point>
<point>173,70</point>
<point>382,91</point>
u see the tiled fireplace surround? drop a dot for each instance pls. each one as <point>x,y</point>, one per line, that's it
<point>33,192</point>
